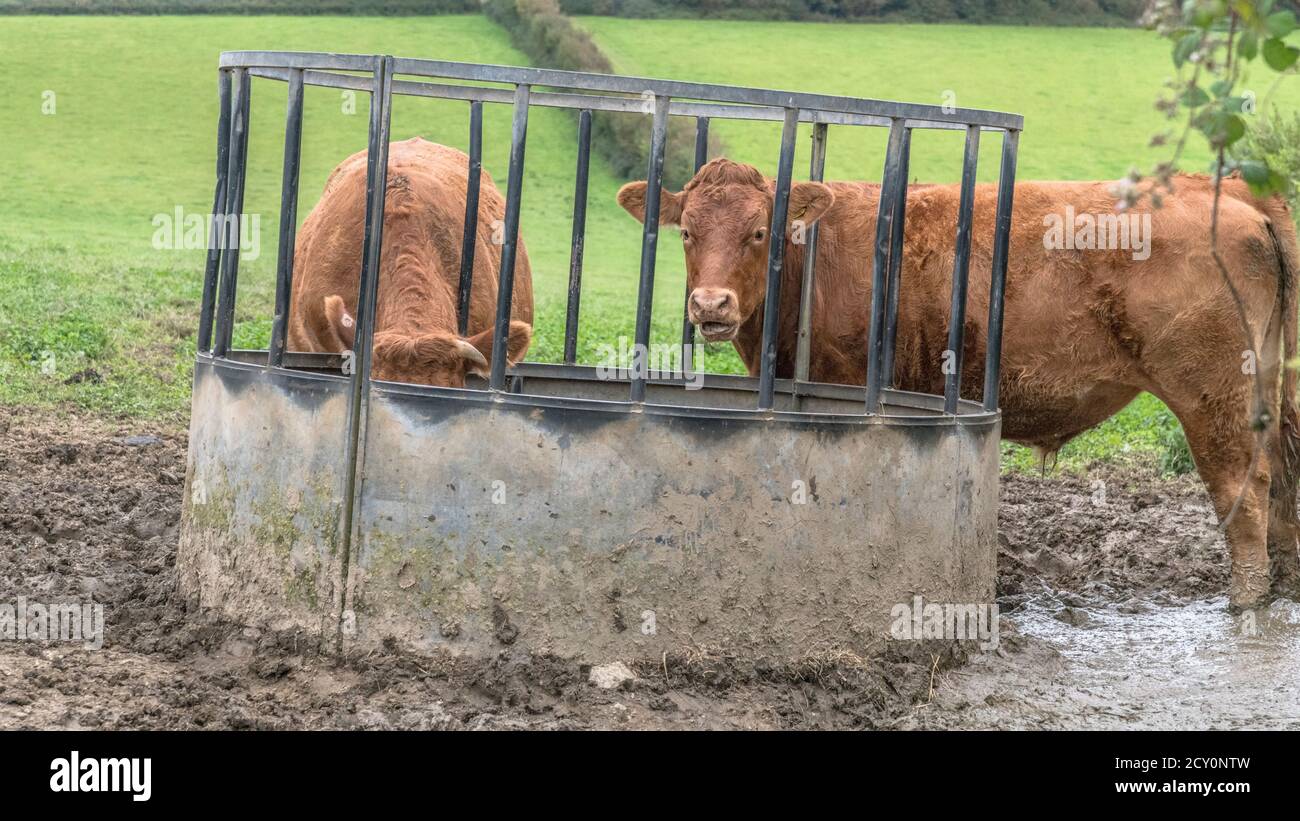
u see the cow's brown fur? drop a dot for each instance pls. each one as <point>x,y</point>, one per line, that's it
<point>1085,330</point>
<point>419,270</point>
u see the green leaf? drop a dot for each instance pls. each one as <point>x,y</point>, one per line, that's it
<point>1281,23</point>
<point>1278,182</point>
<point>1234,129</point>
<point>1279,55</point>
<point>1248,46</point>
<point>1231,129</point>
<point>1270,182</point>
<point>1194,97</point>
<point>1205,15</point>
<point>1221,128</point>
<point>1221,88</point>
<point>1185,48</point>
<point>1254,172</point>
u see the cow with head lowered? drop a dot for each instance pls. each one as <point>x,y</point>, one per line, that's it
<point>1088,325</point>
<point>415,338</point>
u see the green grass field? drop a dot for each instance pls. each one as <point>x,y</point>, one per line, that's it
<point>132,136</point>
<point>92,315</point>
<point>1086,94</point>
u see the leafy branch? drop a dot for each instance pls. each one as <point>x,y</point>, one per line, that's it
<point>1214,44</point>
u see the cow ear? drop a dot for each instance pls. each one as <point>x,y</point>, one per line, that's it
<point>517,342</point>
<point>521,336</point>
<point>809,201</point>
<point>632,198</point>
<point>341,323</point>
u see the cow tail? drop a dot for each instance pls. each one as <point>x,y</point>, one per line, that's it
<point>1283,232</point>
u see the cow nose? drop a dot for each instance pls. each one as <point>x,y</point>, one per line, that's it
<point>711,301</point>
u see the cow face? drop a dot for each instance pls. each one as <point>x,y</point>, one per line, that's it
<point>725,214</point>
<point>440,358</point>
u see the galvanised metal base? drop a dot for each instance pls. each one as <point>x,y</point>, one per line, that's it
<point>588,527</point>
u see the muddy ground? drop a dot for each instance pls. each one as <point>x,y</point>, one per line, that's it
<point>1100,581</point>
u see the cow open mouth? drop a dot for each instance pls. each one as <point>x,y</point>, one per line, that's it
<point>718,331</point>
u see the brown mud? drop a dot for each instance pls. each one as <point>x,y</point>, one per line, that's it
<point>1110,591</point>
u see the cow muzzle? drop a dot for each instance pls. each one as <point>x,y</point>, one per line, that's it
<point>716,312</point>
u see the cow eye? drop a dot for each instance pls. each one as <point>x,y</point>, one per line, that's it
<point>759,234</point>
<point>685,235</point>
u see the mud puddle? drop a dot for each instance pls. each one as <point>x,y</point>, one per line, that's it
<point>1141,665</point>
<point>1113,616</point>
<point>1185,666</point>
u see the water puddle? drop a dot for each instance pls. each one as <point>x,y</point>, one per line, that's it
<point>1191,665</point>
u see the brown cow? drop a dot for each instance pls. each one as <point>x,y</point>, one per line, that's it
<point>1085,330</point>
<point>416,336</point>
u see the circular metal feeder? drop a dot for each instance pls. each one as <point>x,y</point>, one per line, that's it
<point>556,509</point>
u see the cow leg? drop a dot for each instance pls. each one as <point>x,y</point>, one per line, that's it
<point>1214,397</point>
<point>1283,523</point>
<point>1223,447</point>
<point>1225,465</point>
<point>1284,470</point>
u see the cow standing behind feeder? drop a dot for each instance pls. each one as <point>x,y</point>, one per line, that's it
<point>1086,327</point>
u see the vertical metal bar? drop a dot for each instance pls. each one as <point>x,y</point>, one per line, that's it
<point>579,237</point>
<point>997,284</point>
<point>213,265</point>
<point>701,142</point>
<point>776,262</point>
<point>649,245</point>
<point>803,352</point>
<point>288,216</point>
<point>701,157</point>
<point>233,223</point>
<point>469,235</point>
<point>960,271</point>
<point>880,263</point>
<point>899,220</point>
<point>506,283</point>
<point>367,298</point>
<point>376,190</point>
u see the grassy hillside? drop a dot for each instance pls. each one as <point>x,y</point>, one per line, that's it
<point>1086,94</point>
<point>85,297</point>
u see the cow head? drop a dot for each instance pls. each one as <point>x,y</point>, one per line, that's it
<point>439,358</point>
<point>724,213</point>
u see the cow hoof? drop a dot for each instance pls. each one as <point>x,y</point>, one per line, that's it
<point>1286,583</point>
<point>1239,603</point>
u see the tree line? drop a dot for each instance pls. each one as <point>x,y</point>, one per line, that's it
<point>1035,12</point>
